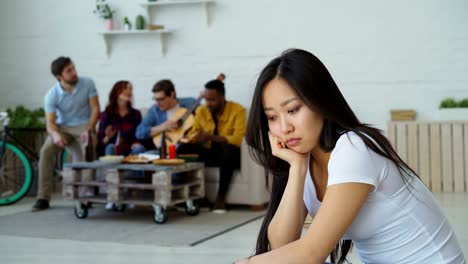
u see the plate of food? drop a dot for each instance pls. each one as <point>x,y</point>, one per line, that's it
<point>150,157</point>
<point>111,158</point>
<point>168,162</point>
<point>135,159</point>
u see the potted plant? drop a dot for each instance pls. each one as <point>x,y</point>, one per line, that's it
<point>140,22</point>
<point>127,24</point>
<point>450,109</point>
<point>22,117</point>
<point>104,11</point>
<point>463,103</point>
<point>28,126</point>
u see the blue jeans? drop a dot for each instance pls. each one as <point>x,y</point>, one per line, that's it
<point>110,150</point>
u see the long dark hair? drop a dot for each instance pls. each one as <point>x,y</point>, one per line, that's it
<point>112,108</point>
<point>312,82</point>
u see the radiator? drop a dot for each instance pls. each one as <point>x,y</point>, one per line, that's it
<point>436,151</point>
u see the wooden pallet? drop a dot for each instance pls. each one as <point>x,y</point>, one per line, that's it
<point>156,188</point>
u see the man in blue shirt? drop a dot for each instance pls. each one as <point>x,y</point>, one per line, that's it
<point>158,117</point>
<point>72,111</point>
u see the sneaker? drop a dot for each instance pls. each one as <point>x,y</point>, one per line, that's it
<point>219,207</point>
<point>109,206</point>
<point>41,204</point>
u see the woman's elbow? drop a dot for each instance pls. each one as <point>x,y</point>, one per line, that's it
<point>273,239</point>
<point>278,239</point>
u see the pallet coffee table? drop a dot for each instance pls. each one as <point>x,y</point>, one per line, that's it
<point>156,187</point>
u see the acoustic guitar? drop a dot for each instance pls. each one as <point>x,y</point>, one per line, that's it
<point>185,120</point>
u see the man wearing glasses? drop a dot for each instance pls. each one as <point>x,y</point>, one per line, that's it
<point>159,116</point>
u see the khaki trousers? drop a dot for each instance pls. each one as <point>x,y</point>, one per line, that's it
<point>49,152</point>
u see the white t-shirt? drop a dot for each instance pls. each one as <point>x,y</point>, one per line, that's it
<point>171,112</point>
<point>397,224</point>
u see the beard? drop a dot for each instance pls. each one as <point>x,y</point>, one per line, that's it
<point>71,82</point>
<point>213,109</point>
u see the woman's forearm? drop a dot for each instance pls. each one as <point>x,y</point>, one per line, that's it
<point>295,252</point>
<point>287,223</point>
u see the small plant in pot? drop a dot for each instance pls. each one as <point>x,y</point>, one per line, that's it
<point>448,103</point>
<point>22,117</point>
<point>127,24</point>
<point>450,109</point>
<point>27,125</point>
<point>463,103</point>
<point>103,10</point>
<point>140,22</point>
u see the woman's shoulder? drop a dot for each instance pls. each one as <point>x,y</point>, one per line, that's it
<point>350,141</point>
<point>351,149</point>
<point>104,114</point>
<point>352,161</point>
<point>105,118</point>
<point>135,111</point>
<point>109,115</point>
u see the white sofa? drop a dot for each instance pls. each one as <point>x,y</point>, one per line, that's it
<point>248,185</point>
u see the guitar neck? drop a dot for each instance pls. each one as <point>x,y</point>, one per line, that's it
<point>190,110</point>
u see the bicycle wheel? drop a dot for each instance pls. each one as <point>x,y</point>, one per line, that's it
<point>15,175</point>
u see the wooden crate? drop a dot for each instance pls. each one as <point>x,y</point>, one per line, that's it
<point>403,115</point>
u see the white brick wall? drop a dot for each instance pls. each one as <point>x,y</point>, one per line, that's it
<point>383,54</point>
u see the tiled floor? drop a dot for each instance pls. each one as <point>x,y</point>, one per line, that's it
<point>223,249</point>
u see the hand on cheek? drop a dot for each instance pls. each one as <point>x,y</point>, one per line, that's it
<point>280,150</point>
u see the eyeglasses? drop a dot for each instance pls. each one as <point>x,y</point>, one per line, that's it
<point>160,99</point>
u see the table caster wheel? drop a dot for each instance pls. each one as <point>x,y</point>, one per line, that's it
<point>160,215</point>
<point>192,208</point>
<point>120,207</point>
<point>81,211</point>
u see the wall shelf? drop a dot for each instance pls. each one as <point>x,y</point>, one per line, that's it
<point>175,2</point>
<point>108,35</point>
<point>161,33</point>
<point>148,5</point>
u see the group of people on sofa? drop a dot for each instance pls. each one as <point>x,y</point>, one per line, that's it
<point>73,113</point>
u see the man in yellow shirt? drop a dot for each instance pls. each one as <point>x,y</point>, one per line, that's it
<point>217,134</point>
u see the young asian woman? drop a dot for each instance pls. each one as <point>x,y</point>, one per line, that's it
<point>342,172</point>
